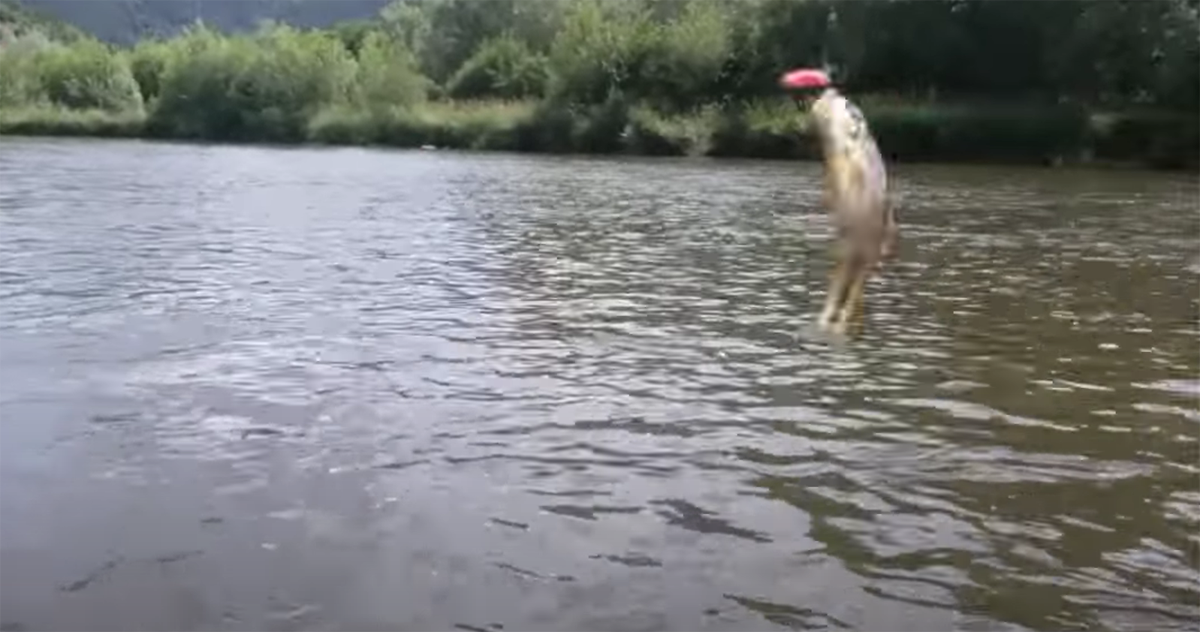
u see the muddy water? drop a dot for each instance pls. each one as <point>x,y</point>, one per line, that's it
<point>267,389</point>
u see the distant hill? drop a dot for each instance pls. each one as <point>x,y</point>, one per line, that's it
<point>127,21</point>
<point>16,19</point>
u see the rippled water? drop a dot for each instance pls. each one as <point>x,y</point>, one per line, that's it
<point>254,388</point>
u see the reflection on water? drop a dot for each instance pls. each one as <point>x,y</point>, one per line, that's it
<point>346,389</point>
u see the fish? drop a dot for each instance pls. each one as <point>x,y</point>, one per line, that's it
<point>855,193</point>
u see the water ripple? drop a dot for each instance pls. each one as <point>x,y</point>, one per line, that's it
<point>384,390</point>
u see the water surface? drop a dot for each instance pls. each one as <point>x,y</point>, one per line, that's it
<point>283,389</point>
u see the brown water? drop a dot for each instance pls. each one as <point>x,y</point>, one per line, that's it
<point>267,389</point>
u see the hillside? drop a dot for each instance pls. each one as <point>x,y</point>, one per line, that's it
<point>17,20</point>
<point>126,21</point>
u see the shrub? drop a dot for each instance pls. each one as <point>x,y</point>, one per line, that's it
<point>81,74</point>
<point>687,58</point>
<point>148,62</point>
<point>685,134</point>
<point>600,51</point>
<point>503,67</point>
<point>387,74</point>
<point>262,87</point>
<point>1161,139</point>
<point>20,84</point>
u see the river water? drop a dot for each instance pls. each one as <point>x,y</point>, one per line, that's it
<point>348,389</point>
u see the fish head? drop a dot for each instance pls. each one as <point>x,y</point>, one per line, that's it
<point>838,122</point>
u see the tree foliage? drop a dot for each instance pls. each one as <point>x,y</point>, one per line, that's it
<point>388,73</point>
<point>654,69</point>
<point>84,74</point>
<point>680,54</point>
<point>267,85</point>
<point>503,67</point>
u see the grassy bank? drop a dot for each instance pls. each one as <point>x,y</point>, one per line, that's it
<point>773,130</point>
<point>51,121</point>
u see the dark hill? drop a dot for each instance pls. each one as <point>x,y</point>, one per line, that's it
<point>126,21</point>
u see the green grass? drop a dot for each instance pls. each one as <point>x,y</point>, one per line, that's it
<point>51,121</point>
<point>456,125</point>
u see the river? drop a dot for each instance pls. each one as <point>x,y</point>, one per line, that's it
<point>253,388</point>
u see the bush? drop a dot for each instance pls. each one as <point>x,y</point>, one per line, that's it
<point>1160,139</point>
<point>550,128</point>
<point>503,67</point>
<point>764,129</point>
<point>88,75</point>
<point>20,84</point>
<point>387,74</point>
<point>999,133</point>
<point>84,74</point>
<point>687,57</point>
<point>600,51</point>
<point>148,62</point>
<point>264,87</point>
<point>688,134</point>
<point>600,129</point>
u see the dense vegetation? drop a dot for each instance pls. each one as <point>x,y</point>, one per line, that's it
<point>1019,80</point>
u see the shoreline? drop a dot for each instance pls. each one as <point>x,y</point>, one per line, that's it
<point>511,136</point>
<point>1096,165</point>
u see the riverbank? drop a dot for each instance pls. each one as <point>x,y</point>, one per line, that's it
<point>770,130</point>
